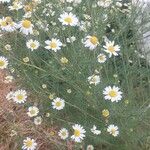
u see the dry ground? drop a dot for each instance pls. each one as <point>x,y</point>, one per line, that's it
<point>15,125</point>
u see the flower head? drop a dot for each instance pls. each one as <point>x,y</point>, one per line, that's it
<point>10,95</point>
<point>94,79</point>
<point>63,133</point>
<point>112,93</point>
<point>54,45</point>
<point>68,19</point>
<point>29,144</point>
<point>64,60</point>
<point>33,111</point>
<point>104,3</point>
<point>26,27</point>
<point>90,147</point>
<point>111,48</point>
<point>91,42</point>
<point>101,58</point>
<point>113,130</point>
<point>3,62</point>
<point>38,120</point>
<point>32,44</point>
<point>7,24</point>
<point>79,133</point>
<point>58,103</point>
<point>4,1</point>
<point>95,131</point>
<point>8,79</point>
<point>105,112</point>
<point>20,96</point>
<point>16,6</point>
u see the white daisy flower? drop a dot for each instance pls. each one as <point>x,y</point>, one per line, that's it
<point>91,42</point>
<point>104,3</point>
<point>58,103</point>
<point>11,27</point>
<point>16,6</point>
<point>37,1</point>
<point>68,19</point>
<point>111,49</point>
<point>32,44</point>
<point>95,131</point>
<point>4,1</point>
<point>54,45</point>
<point>63,133</point>
<point>20,96</point>
<point>3,62</point>
<point>77,1</point>
<point>112,93</point>
<point>94,79</point>
<point>79,133</point>
<point>8,47</point>
<point>10,95</point>
<point>33,111</point>
<point>90,147</point>
<point>8,79</point>
<point>101,58</point>
<point>29,144</point>
<point>7,24</point>
<point>13,133</point>
<point>69,1</point>
<point>26,27</point>
<point>38,120</point>
<point>28,14</point>
<point>71,39</point>
<point>113,130</point>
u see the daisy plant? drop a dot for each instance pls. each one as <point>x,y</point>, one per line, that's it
<point>79,69</point>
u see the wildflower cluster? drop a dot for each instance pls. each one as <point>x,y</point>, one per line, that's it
<point>76,57</point>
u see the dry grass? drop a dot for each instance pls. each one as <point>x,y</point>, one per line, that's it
<point>15,125</point>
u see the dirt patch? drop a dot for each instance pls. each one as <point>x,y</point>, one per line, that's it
<point>16,125</point>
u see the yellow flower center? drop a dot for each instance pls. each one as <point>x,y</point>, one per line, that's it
<point>105,113</point>
<point>19,97</point>
<point>33,45</point>
<point>51,96</point>
<point>111,49</point>
<point>8,19</point>
<point>29,144</point>
<point>11,23</point>
<point>2,63</point>
<point>58,104</point>
<point>126,101</point>
<point>52,133</point>
<point>53,45</point>
<point>28,8</point>
<point>4,23</point>
<point>63,133</point>
<point>64,60</point>
<point>112,93</point>
<point>68,20</point>
<point>77,133</point>
<point>113,131</point>
<point>26,59</point>
<point>101,57</point>
<point>15,6</point>
<point>32,112</point>
<point>26,24</point>
<point>93,79</point>
<point>94,40</point>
